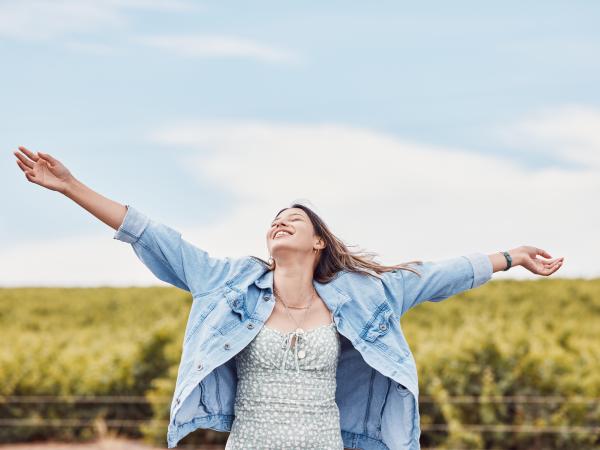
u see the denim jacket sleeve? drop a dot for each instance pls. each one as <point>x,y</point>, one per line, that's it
<point>439,279</point>
<point>171,258</point>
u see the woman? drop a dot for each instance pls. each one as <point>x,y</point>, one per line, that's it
<point>303,351</point>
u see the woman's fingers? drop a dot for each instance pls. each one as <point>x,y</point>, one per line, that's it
<point>556,267</point>
<point>553,267</point>
<point>26,165</point>
<point>22,166</point>
<point>24,160</point>
<point>553,262</point>
<point>47,157</point>
<point>29,153</point>
<point>535,251</point>
<point>25,169</point>
<point>541,266</point>
<point>30,177</point>
<point>28,173</point>
<point>44,158</point>
<point>542,252</point>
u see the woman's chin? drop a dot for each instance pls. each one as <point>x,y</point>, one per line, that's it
<point>283,248</point>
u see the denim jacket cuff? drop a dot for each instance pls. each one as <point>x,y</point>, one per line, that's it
<point>482,268</point>
<point>133,226</point>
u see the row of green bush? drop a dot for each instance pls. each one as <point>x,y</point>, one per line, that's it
<point>506,338</point>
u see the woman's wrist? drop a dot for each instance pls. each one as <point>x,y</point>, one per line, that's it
<point>70,185</point>
<point>516,255</point>
<point>500,261</point>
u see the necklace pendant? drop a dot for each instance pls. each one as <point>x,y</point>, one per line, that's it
<point>301,354</point>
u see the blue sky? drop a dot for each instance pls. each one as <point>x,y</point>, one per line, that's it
<point>457,127</point>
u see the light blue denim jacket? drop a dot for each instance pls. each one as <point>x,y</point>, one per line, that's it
<point>377,387</point>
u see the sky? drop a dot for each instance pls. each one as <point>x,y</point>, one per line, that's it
<point>417,131</point>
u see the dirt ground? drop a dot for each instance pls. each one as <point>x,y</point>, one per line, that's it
<point>103,444</point>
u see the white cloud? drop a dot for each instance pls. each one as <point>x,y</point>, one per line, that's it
<point>72,261</point>
<point>33,20</point>
<point>69,20</point>
<point>402,199</point>
<point>218,46</point>
<point>571,132</point>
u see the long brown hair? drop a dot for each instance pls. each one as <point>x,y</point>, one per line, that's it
<point>337,256</point>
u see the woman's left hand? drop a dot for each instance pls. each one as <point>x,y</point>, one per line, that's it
<point>528,259</point>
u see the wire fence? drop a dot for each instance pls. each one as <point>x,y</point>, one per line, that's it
<point>422,399</point>
<point>134,423</point>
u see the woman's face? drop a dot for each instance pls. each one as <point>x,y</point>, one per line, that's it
<point>298,233</point>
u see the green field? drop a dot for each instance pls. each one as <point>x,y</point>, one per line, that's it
<point>537,339</point>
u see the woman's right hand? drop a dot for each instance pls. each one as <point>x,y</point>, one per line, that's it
<point>43,169</point>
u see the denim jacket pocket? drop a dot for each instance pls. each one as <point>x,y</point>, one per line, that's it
<point>379,324</point>
<point>231,311</point>
<point>237,303</point>
<point>379,332</point>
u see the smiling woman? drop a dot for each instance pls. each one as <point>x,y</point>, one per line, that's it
<point>303,351</point>
<point>301,244</point>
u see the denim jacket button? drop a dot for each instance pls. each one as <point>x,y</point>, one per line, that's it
<point>266,298</point>
<point>383,327</point>
<point>177,401</point>
<point>200,366</point>
<point>227,346</point>
<point>250,325</point>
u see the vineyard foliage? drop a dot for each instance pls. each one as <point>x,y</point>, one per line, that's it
<point>507,338</point>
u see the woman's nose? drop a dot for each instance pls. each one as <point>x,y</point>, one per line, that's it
<point>278,225</point>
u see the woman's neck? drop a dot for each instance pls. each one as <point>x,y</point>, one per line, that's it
<point>294,284</point>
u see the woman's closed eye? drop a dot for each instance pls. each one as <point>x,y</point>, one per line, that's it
<point>291,220</point>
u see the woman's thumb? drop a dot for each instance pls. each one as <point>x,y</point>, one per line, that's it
<point>46,157</point>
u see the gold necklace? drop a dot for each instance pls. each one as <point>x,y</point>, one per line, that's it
<point>299,332</point>
<point>278,295</point>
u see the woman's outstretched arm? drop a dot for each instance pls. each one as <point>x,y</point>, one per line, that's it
<point>440,279</point>
<point>108,211</point>
<point>161,248</point>
<point>46,171</point>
